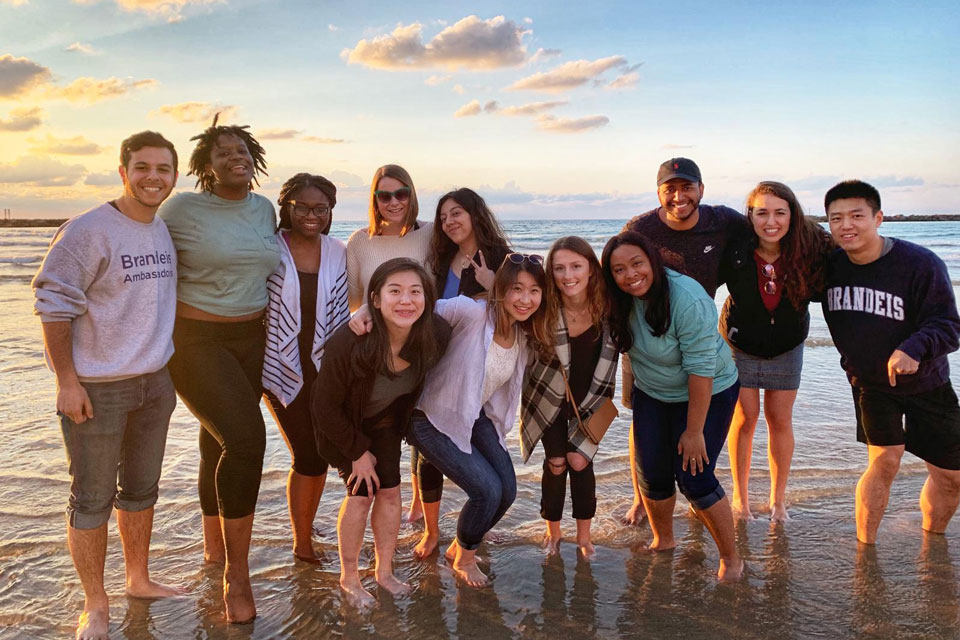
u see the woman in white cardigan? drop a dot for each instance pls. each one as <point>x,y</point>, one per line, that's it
<point>307,302</point>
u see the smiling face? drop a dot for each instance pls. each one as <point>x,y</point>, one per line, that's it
<point>571,273</point>
<point>770,216</point>
<point>302,218</point>
<point>149,176</point>
<point>680,200</point>
<point>230,162</point>
<point>401,299</point>
<point>523,297</point>
<point>394,212</point>
<point>855,226</point>
<point>456,222</point>
<point>631,270</point>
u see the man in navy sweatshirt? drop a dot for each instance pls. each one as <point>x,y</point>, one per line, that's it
<point>892,314</point>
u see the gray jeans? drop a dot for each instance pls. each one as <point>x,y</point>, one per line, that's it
<point>115,457</point>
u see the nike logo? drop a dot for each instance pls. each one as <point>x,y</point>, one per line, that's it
<point>708,248</point>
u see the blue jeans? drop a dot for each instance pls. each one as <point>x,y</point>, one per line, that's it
<point>486,474</point>
<point>115,457</point>
<point>657,427</point>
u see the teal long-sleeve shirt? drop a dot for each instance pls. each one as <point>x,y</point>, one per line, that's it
<point>692,345</point>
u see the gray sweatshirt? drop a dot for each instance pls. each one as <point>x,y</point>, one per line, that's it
<point>115,280</point>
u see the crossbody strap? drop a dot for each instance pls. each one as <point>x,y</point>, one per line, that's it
<point>569,394</point>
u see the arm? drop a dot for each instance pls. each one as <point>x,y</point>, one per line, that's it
<point>692,447</point>
<point>331,418</point>
<point>354,279</point>
<point>935,315</point>
<point>72,398</point>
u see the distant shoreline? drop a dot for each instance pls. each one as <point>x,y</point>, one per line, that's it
<point>934,217</point>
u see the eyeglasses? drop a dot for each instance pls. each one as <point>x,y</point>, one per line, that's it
<point>770,286</point>
<point>402,195</point>
<point>303,210</point>
<point>532,258</point>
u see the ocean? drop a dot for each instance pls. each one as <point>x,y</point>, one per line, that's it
<point>808,578</point>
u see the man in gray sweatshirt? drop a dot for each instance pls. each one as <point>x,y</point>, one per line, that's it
<point>107,294</point>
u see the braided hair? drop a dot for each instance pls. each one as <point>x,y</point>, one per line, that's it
<point>200,157</point>
<point>302,181</point>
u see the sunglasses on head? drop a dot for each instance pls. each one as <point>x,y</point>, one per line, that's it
<point>532,258</point>
<point>383,197</point>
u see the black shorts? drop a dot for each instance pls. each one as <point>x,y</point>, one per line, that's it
<point>931,430</point>
<point>385,447</point>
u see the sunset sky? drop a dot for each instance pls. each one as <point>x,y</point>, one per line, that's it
<point>549,110</point>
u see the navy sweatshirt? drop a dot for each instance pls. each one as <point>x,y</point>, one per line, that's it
<point>902,300</point>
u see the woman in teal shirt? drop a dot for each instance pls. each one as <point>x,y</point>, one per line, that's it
<point>685,390</point>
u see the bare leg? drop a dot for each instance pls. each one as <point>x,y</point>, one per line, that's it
<point>385,521</point>
<point>431,530</point>
<point>237,592</point>
<point>135,529</point>
<point>778,409</point>
<point>213,550</point>
<point>551,541</point>
<point>660,514</point>
<point>584,543</point>
<point>719,521</point>
<point>88,549</point>
<point>873,490</point>
<point>635,514</point>
<point>417,508</point>
<point>464,563</point>
<point>303,498</point>
<point>740,448</point>
<point>939,498</point>
<point>351,524</point>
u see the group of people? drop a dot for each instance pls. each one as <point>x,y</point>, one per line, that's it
<point>437,333</point>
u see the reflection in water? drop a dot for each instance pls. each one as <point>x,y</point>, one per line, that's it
<point>583,598</point>
<point>938,591</point>
<point>871,602</point>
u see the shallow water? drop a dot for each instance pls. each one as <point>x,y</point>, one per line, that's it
<point>806,579</point>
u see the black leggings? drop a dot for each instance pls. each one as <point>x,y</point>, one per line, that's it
<point>553,486</point>
<point>216,370</point>
<point>296,425</point>
<point>429,477</point>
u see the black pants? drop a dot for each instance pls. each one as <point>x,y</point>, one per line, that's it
<point>429,477</point>
<point>216,370</point>
<point>553,486</point>
<point>296,424</point>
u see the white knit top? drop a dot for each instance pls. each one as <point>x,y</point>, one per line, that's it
<point>499,367</point>
<point>365,254</point>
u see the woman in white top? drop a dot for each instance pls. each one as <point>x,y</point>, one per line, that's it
<point>393,230</point>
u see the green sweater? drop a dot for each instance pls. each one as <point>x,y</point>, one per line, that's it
<point>691,345</point>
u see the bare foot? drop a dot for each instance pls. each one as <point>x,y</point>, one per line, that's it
<point>153,590</point>
<point>731,572</point>
<point>414,514</point>
<point>662,545</point>
<point>551,544</point>
<point>635,516</point>
<point>93,624</point>
<point>778,513</point>
<point>426,547</point>
<point>741,510</point>
<point>393,584</point>
<point>470,573</point>
<point>586,550</point>
<point>238,599</point>
<point>309,558</point>
<point>451,553</point>
<point>357,595</point>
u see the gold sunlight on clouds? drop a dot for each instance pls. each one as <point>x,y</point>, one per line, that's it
<point>195,112</point>
<point>22,119</point>
<point>93,90</point>
<point>75,146</point>
<point>20,75</point>
<point>569,75</point>
<point>554,124</point>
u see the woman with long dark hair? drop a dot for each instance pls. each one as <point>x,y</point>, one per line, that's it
<point>771,276</point>
<point>685,388</point>
<point>308,301</point>
<point>226,249</point>
<point>364,395</point>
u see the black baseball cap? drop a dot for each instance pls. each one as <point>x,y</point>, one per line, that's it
<point>683,168</point>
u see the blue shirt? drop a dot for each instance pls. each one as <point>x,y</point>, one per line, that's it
<point>452,287</point>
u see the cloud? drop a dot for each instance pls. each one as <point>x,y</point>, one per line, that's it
<point>676,147</point>
<point>23,119</point>
<point>332,27</point>
<point>435,81</point>
<point>170,9</point>
<point>554,124</point>
<point>568,75</point>
<point>532,108</point>
<point>470,43</point>
<point>19,75</point>
<point>195,112</point>
<point>625,81</point>
<point>80,47</point>
<point>278,134</point>
<point>104,179</point>
<point>888,182</point>
<point>40,172</point>
<point>458,88</point>
<point>320,140</point>
<point>544,54</point>
<point>76,146</point>
<point>16,3</point>
<point>92,90</point>
<point>472,108</point>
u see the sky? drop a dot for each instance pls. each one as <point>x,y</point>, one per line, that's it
<point>546,110</point>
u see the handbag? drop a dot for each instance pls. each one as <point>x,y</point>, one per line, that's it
<point>599,421</point>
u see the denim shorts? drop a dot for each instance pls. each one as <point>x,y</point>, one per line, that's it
<point>779,373</point>
<point>115,457</point>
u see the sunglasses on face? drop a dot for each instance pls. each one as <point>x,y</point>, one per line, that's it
<point>303,210</point>
<point>532,258</point>
<point>383,197</point>
<point>770,286</point>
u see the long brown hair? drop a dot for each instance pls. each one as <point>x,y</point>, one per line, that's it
<point>802,249</point>
<point>491,239</point>
<point>396,172</point>
<point>597,300</point>
<point>535,327</point>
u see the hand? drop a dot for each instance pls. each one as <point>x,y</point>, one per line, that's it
<point>361,322</point>
<point>362,470</point>
<point>483,275</point>
<point>900,364</point>
<point>693,451</point>
<point>73,402</point>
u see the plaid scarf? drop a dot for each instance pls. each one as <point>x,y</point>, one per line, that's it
<point>543,393</point>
